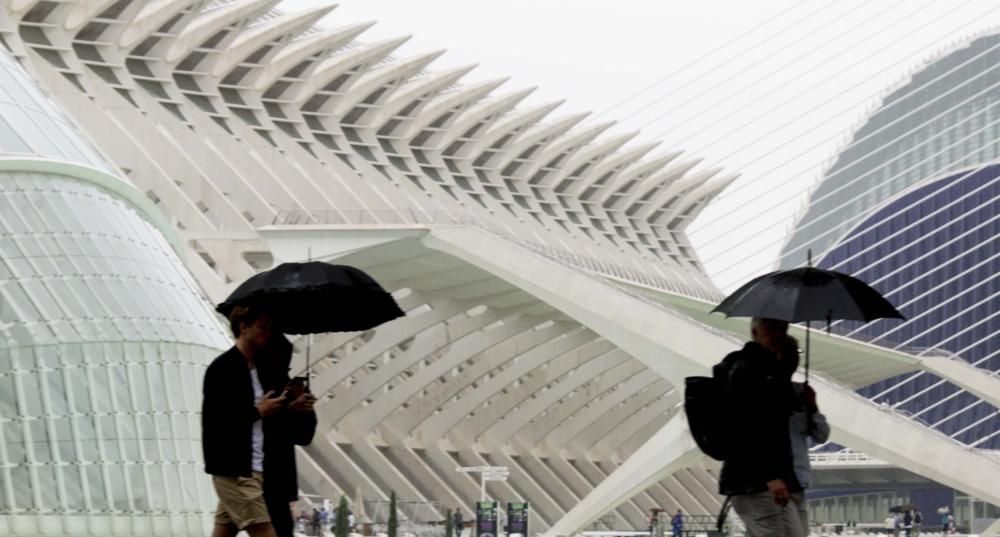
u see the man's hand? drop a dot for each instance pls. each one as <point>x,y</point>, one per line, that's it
<point>304,403</point>
<point>269,405</point>
<point>778,491</point>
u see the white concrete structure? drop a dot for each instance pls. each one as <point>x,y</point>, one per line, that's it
<point>510,240</point>
<point>103,340</point>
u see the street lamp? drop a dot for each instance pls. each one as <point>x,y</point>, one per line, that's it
<point>486,473</point>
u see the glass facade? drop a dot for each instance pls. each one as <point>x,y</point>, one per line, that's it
<point>909,205</point>
<point>945,118</point>
<point>103,344</point>
<point>934,253</point>
<point>31,125</point>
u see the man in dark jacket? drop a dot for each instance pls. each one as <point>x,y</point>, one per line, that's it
<point>760,476</point>
<point>232,430</point>
<point>294,425</point>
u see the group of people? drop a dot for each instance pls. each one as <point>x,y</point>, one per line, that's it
<point>774,420</point>
<point>676,521</point>
<point>253,416</point>
<point>909,523</point>
<point>320,519</point>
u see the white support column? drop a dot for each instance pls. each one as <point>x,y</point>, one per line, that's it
<point>669,450</point>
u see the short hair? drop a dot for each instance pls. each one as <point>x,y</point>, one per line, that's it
<point>243,315</point>
<point>770,326</point>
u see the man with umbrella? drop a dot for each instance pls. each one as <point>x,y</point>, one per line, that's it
<point>232,430</point>
<point>251,422</point>
<point>760,476</point>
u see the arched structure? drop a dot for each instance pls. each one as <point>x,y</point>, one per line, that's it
<point>554,302</point>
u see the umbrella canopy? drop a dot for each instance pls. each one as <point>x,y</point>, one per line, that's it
<point>808,294</point>
<point>902,508</point>
<point>315,297</point>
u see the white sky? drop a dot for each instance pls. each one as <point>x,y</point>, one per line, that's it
<point>769,89</point>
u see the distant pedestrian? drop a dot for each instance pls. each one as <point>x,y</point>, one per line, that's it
<point>890,524</point>
<point>315,524</point>
<point>907,522</point>
<point>677,524</point>
<point>458,522</point>
<point>918,521</point>
<point>653,517</point>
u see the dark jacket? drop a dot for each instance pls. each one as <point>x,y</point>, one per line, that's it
<point>284,430</point>
<point>227,416</point>
<point>761,398</point>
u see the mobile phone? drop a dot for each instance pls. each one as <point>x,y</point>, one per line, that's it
<point>294,382</point>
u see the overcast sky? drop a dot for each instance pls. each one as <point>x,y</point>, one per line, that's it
<point>768,89</point>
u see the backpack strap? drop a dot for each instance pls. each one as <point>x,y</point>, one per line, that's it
<point>723,513</point>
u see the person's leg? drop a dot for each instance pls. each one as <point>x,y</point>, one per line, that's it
<point>224,526</point>
<point>241,503</point>
<point>798,513</point>
<point>225,530</point>
<point>761,516</point>
<point>263,529</point>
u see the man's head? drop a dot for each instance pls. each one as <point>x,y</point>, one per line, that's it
<point>251,327</point>
<point>769,333</point>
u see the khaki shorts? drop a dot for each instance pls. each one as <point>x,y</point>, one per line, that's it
<point>241,500</point>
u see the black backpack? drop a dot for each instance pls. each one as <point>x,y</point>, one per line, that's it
<point>708,412</point>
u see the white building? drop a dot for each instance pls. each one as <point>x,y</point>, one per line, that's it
<point>104,340</point>
<point>553,300</point>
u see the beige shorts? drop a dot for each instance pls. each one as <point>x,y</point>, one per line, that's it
<point>241,500</point>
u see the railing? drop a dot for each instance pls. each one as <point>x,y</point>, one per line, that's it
<point>362,217</point>
<point>844,457</point>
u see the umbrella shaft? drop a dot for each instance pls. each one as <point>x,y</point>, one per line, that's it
<point>807,351</point>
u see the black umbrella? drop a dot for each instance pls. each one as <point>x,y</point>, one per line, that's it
<point>314,297</point>
<point>808,294</point>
